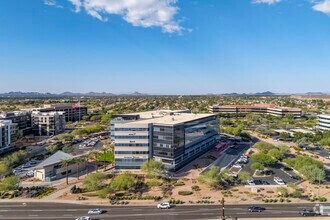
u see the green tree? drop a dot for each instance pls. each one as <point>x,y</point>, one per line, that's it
<point>276,153</point>
<point>313,173</point>
<point>243,176</point>
<point>94,181</point>
<point>65,137</point>
<point>226,175</point>
<point>106,119</point>
<point>4,168</point>
<point>123,181</point>
<point>211,178</point>
<point>285,135</point>
<point>264,147</point>
<point>153,168</point>
<point>263,159</point>
<point>257,166</point>
<point>52,148</point>
<point>9,183</point>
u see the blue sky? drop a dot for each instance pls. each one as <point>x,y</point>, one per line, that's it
<point>165,46</point>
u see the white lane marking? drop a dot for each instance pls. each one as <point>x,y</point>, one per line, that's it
<point>36,210</point>
<point>33,215</point>
<point>71,210</point>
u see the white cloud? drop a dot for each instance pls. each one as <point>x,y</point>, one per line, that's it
<point>269,2</point>
<point>323,6</point>
<point>52,3</point>
<point>143,13</point>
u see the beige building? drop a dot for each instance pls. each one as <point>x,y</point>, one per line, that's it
<point>52,168</point>
<point>269,109</point>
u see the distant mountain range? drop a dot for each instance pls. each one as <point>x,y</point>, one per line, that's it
<point>106,94</point>
<point>65,94</point>
<point>268,93</point>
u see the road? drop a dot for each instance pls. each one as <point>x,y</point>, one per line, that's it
<point>56,211</point>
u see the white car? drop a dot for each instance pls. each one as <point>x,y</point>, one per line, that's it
<point>95,212</point>
<point>84,218</point>
<point>237,165</point>
<point>164,205</point>
<point>327,157</point>
<point>279,181</point>
<point>251,182</point>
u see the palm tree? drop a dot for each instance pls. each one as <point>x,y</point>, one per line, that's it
<point>66,164</point>
<point>78,161</point>
<point>93,156</point>
<point>105,149</point>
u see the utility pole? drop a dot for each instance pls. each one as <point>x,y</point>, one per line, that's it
<point>319,184</point>
<point>223,209</point>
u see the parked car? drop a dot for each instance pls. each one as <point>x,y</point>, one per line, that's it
<point>251,182</point>
<point>328,157</point>
<point>256,209</point>
<point>84,218</point>
<point>164,205</point>
<point>307,212</point>
<point>236,165</point>
<point>95,211</point>
<point>279,181</point>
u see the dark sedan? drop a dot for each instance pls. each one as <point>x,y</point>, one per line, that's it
<point>256,209</point>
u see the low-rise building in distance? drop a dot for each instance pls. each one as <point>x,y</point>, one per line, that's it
<point>258,108</point>
<point>21,118</point>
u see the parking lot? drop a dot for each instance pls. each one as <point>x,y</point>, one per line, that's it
<point>322,152</point>
<point>231,154</point>
<point>277,170</point>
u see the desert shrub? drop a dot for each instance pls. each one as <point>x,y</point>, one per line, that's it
<point>153,183</point>
<point>185,193</point>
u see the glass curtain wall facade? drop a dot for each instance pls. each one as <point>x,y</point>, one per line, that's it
<point>178,144</point>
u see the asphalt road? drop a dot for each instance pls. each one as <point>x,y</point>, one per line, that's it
<point>56,211</point>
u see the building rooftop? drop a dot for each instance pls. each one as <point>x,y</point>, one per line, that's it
<point>268,106</point>
<point>154,114</point>
<point>173,119</point>
<point>47,113</point>
<point>55,158</point>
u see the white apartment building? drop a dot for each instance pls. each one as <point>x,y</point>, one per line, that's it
<point>323,122</point>
<point>5,134</point>
<point>48,123</point>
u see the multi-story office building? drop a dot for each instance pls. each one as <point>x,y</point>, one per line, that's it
<point>72,113</point>
<point>173,139</point>
<point>5,134</point>
<point>127,117</point>
<point>21,118</point>
<point>48,123</point>
<point>323,122</point>
<point>258,108</point>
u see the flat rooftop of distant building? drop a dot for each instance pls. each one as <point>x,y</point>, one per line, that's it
<point>173,119</point>
<point>154,113</point>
